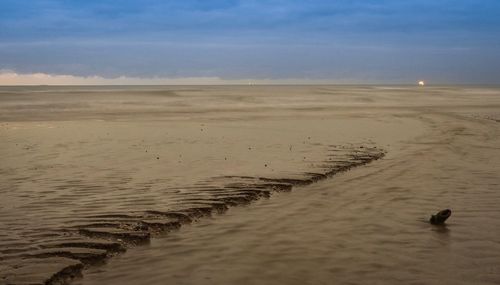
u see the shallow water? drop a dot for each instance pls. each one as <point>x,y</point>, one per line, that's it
<point>61,166</point>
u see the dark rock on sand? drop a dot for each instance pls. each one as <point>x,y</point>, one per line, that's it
<point>440,217</point>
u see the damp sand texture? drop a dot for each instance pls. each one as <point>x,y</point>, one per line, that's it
<point>334,185</point>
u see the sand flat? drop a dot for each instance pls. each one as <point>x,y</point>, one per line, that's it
<point>120,156</point>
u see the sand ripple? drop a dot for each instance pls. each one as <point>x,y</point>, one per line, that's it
<point>71,243</point>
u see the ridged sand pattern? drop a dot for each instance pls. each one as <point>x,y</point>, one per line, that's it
<point>56,256</point>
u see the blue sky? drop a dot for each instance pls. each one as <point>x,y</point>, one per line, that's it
<point>386,41</point>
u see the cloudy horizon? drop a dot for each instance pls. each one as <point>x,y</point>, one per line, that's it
<point>224,41</point>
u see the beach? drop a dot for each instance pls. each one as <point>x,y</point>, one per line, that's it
<point>249,184</point>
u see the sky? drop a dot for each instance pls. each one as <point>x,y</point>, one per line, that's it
<point>224,41</point>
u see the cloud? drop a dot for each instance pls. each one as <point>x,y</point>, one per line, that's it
<point>13,78</point>
<point>56,19</point>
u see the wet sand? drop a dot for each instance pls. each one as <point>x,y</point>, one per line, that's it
<point>90,172</point>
